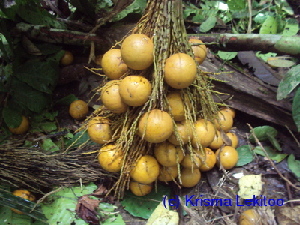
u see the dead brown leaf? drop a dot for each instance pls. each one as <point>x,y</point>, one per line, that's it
<point>288,215</point>
<point>86,209</point>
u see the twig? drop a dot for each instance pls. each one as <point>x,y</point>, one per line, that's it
<point>45,196</point>
<point>249,29</point>
<point>298,143</point>
<point>272,163</point>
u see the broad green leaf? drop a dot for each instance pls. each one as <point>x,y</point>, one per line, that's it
<point>260,18</point>
<point>294,165</point>
<point>34,14</point>
<point>265,56</point>
<point>289,82</point>
<point>226,55</point>
<point>49,145</point>
<point>236,4</point>
<point>208,24</point>
<point>269,26</point>
<point>41,75</point>
<point>245,155</point>
<point>291,27</point>
<point>29,98</point>
<point>144,206</point>
<point>8,217</point>
<point>106,210</point>
<point>273,154</point>
<point>10,201</point>
<point>48,126</point>
<point>67,100</point>
<point>60,207</point>
<point>265,133</point>
<point>78,139</point>
<point>48,49</point>
<point>296,108</point>
<point>189,9</point>
<point>50,115</point>
<point>11,117</point>
<point>137,6</point>
<point>280,62</point>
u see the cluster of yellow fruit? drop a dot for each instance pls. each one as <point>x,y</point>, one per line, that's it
<point>157,126</point>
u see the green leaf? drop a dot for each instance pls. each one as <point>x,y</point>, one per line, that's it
<point>274,155</point>
<point>113,219</point>
<point>265,133</point>
<point>8,217</point>
<point>291,27</point>
<point>34,14</point>
<point>48,49</point>
<point>245,155</point>
<point>40,75</point>
<point>67,100</point>
<point>262,133</point>
<point>265,56</point>
<point>280,62</point>
<point>269,26</point>
<point>137,6</point>
<point>11,117</point>
<point>236,4</point>
<point>143,206</point>
<point>11,201</point>
<point>60,207</point>
<point>296,108</point>
<point>294,165</point>
<point>29,98</point>
<point>208,24</point>
<point>48,126</point>
<point>226,55</point>
<point>290,81</point>
<point>49,145</point>
<point>78,139</point>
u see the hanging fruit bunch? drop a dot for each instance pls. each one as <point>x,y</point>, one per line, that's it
<point>158,113</point>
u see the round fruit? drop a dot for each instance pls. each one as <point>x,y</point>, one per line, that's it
<point>139,189</point>
<point>146,170</point>
<point>204,133</point>
<point>210,160</point>
<point>137,51</point>
<point>227,157</point>
<point>176,106</point>
<point>25,195</point>
<point>112,64</point>
<point>229,110</point>
<point>67,58</point>
<point>167,154</point>
<point>192,160</point>
<point>111,98</point>
<point>99,130</point>
<point>217,141</point>
<point>190,177</point>
<point>155,126</point>
<point>111,158</point>
<point>78,109</point>
<point>224,121</point>
<point>250,217</point>
<point>185,133</point>
<point>180,70</point>
<point>22,128</point>
<point>200,51</point>
<point>135,90</point>
<point>234,139</point>
<point>168,173</point>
